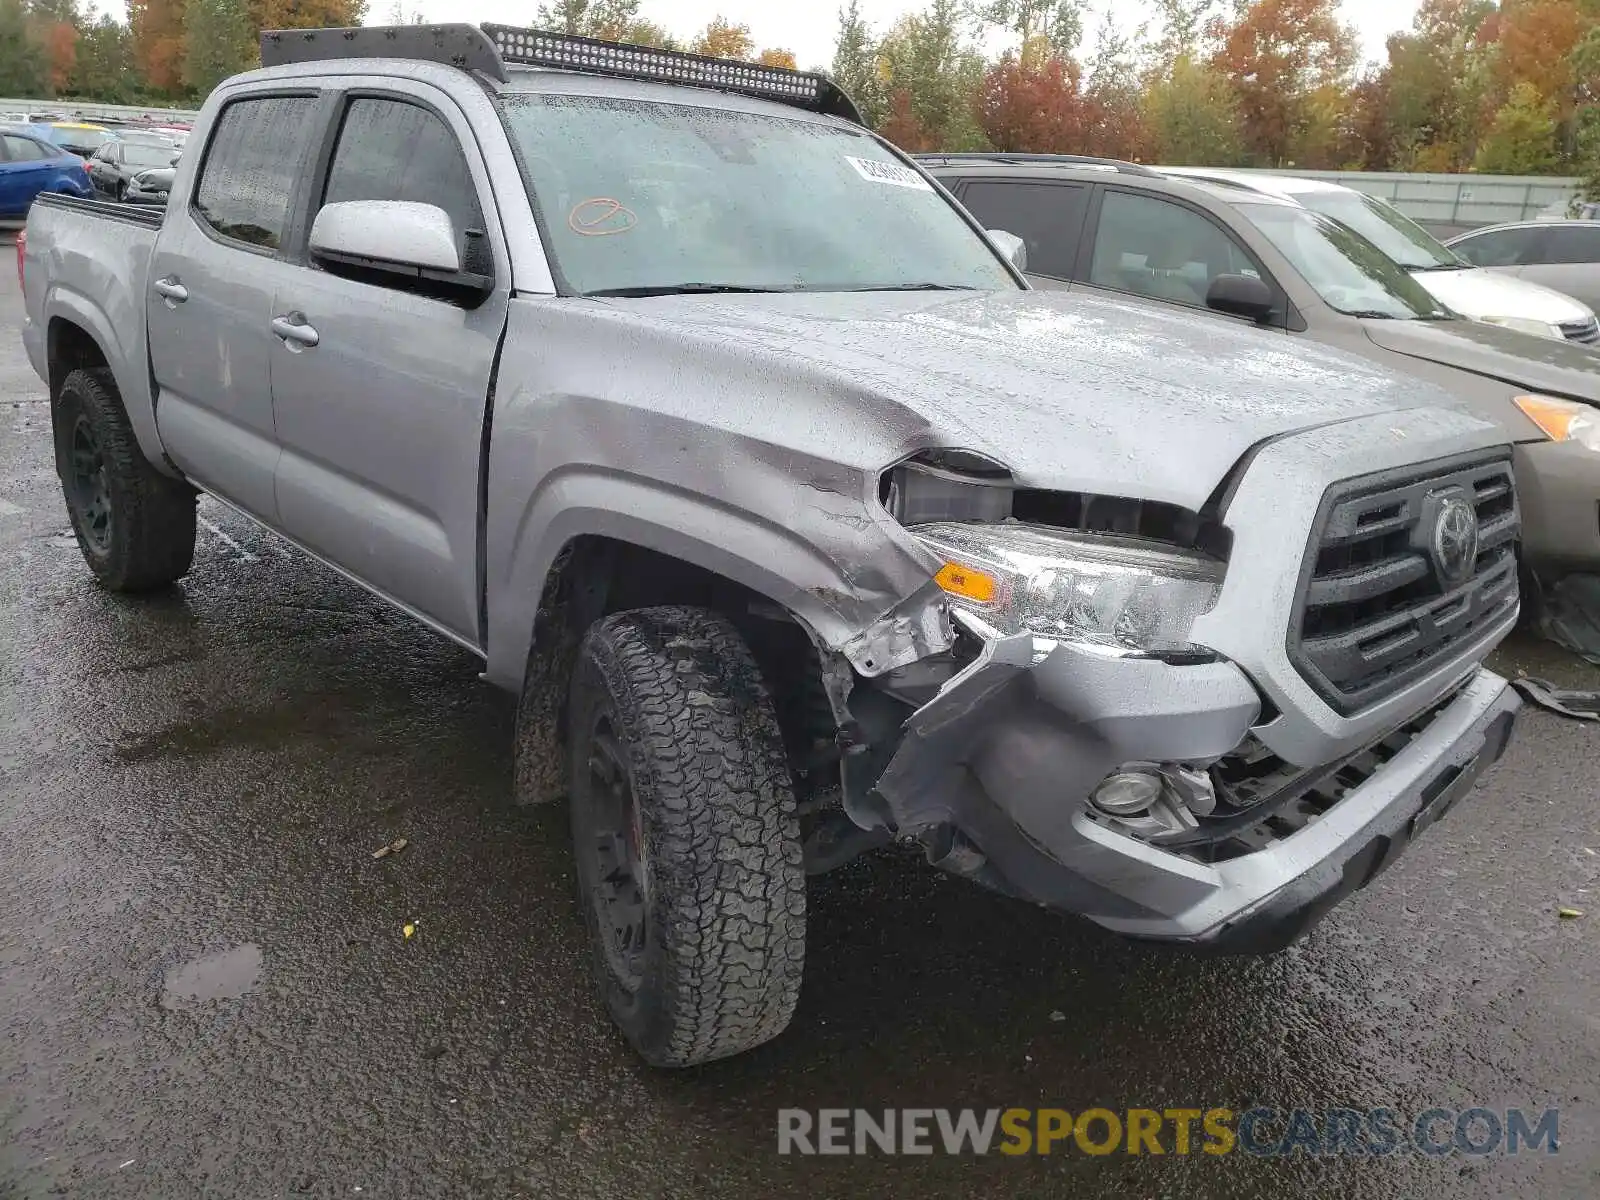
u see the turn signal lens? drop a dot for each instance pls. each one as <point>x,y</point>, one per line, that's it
<point>1562,420</point>
<point>967,582</point>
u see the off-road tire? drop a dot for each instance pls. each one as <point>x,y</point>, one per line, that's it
<point>150,541</point>
<point>725,907</point>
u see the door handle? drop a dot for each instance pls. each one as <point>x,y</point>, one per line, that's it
<point>295,331</point>
<point>171,290</point>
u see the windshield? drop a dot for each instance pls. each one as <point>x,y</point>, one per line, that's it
<point>1397,235</point>
<point>642,197</point>
<point>140,155</point>
<point>1347,271</point>
<point>82,139</point>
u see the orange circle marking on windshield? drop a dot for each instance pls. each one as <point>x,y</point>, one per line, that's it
<point>601,217</point>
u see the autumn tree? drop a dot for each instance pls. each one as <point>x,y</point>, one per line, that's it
<point>1436,87</point>
<point>1522,138</point>
<point>1033,106</point>
<point>1192,117</point>
<point>158,43</point>
<point>54,27</point>
<point>778,58</point>
<point>1537,38</point>
<point>855,65</point>
<point>723,39</point>
<point>902,127</point>
<point>217,43</point>
<point>302,14</point>
<point>1277,53</point>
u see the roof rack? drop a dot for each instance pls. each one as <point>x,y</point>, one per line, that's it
<point>1008,158</point>
<point>489,48</point>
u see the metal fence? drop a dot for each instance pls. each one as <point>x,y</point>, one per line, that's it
<point>92,111</point>
<point>1456,202</point>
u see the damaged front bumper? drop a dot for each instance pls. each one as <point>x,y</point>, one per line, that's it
<point>992,776</point>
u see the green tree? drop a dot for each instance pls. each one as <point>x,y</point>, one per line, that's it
<point>104,67</point>
<point>1114,92</point>
<point>217,43</point>
<point>23,71</point>
<point>1192,117</point>
<point>928,57</point>
<point>613,20</point>
<point>855,65</point>
<point>1522,138</point>
<point>1044,28</point>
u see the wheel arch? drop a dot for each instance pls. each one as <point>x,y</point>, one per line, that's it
<point>593,575</point>
<point>78,335</point>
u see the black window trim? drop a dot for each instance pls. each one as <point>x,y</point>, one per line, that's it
<point>315,179</point>
<point>1532,247</point>
<point>275,93</point>
<point>1086,186</point>
<point>1284,317</point>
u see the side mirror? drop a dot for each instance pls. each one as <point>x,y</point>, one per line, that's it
<point>1241,296</point>
<point>401,239</point>
<point>1013,247</point>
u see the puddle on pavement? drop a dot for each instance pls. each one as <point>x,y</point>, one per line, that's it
<point>223,976</point>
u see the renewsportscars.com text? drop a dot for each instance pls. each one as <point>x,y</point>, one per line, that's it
<point>1260,1131</point>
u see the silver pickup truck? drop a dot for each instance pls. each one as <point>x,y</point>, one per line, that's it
<point>799,523</point>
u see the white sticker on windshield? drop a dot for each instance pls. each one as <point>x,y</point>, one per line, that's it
<point>893,174</point>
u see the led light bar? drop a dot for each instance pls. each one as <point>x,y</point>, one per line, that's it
<point>569,52</point>
<point>487,50</point>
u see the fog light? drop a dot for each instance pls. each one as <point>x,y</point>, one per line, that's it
<point>1127,793</point>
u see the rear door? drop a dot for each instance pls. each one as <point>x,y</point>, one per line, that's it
<point>1047,215</point>
<point>380,392</point>
<point>1567,258</point>
<point>217,263</point>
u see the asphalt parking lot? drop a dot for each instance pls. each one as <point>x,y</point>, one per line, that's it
<point>206,989</point>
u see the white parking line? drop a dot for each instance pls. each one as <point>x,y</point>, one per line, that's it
<point>228,541</point>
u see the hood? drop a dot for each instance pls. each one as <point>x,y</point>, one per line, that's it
<point>1070,392</point>
<point>1478,293</point>
<point>1522,361</point>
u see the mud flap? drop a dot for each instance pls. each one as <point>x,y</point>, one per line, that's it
<point>1567,702</point>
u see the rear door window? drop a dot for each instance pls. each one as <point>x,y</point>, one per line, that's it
<point>248,176</point>
<point>1571,244</point>
<point>1501,248</point>
<point>1048,217</point>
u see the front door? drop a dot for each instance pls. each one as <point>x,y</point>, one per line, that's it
<point>209,310</point>
<point>380,388</point>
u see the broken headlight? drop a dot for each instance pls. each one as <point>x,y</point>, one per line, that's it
<point>1117,594</point>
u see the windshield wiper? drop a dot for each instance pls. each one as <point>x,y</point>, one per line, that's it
<point>917,287</point>
<point>1455,266</point>
<point>690,289</point>
<point>1373,313</point>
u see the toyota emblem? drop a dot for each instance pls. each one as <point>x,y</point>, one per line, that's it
<point>1455,540</point>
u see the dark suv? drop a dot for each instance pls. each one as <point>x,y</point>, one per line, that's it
<point>1120,228</point>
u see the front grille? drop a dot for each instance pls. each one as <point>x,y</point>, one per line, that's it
<point>1375,610</point>
<point>1261,799</point>
<point>1586,331</point>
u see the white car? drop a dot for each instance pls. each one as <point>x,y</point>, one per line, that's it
<point>1471,291</point>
